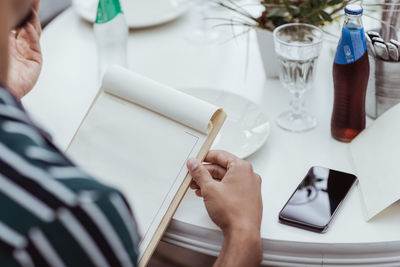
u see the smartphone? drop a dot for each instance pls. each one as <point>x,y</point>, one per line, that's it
<point>317,199</point>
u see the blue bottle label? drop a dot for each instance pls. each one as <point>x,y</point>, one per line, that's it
<point>351,47</point>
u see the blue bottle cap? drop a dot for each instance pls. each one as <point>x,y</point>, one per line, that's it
<point>353,9</point>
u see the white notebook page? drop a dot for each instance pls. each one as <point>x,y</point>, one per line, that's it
<point>139,152</point>
<point>137,137</point>
<point>162,99</point>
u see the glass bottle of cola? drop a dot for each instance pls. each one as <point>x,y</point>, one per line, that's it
<point>350,78</point>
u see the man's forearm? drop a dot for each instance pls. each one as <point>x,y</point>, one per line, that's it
<point>240,248</point>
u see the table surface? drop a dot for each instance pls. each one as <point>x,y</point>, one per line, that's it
<point>49,9</point>
<point>68,84</point>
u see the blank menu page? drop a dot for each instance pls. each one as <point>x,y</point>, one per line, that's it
<point>141,153</point>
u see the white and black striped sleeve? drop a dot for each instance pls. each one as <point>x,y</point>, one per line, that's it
<point>53,213</point>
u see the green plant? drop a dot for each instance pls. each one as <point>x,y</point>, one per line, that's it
<point>315,12</point>
<point>278,12</point>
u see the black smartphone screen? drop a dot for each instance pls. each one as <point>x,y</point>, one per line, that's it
<point>317,198</point>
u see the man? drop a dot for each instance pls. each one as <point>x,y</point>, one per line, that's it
<point>54,214</point>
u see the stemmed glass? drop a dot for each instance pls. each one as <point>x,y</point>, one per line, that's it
<point>202,30</point>
<point>298,46</point>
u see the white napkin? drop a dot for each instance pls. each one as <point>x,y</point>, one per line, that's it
<point>376,156</point>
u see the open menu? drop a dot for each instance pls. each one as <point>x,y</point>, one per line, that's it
<point>375,153</point>
<point>137,137</point>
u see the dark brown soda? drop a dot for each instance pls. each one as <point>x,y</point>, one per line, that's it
<point>350,83</point>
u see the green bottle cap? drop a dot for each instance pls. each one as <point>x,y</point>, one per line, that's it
<point>107,10</point>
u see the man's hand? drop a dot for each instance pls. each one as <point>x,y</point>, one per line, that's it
<point>232,196</point>
<point>25,56</point>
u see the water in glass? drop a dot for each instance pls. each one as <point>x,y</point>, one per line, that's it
<point>297,46</point>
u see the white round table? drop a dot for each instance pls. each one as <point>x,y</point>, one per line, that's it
<point>68,84</point>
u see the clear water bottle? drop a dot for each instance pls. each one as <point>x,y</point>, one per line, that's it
<point>111,33</point>
<point>350,78</point>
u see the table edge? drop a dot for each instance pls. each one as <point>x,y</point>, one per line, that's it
<point>290,253</point>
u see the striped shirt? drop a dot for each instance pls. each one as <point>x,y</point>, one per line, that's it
<point>53,213</point>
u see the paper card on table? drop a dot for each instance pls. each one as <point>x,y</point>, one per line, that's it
<point>137,137</point>
<point>375,153</point>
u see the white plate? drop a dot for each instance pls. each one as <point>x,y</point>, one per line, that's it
<point>246,129</point>
<point>138,13</point>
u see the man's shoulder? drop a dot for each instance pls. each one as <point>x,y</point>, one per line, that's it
<point>53,209</point>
